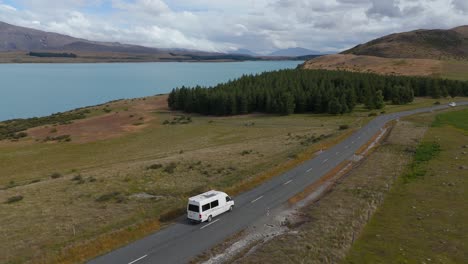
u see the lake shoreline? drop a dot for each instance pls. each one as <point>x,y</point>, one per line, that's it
<point>89,57</point>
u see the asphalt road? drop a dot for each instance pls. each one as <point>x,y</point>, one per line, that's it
<point>182,241</point>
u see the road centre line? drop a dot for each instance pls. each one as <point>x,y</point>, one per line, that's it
<point>257,199</point>
<point>309,169</point>
<point>288,182</point>
<point>210,223</point>
<point>324,161</point>
<point>138,259</point>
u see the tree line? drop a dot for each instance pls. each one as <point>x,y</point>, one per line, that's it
<point>52,55</point>
<point>315,91</point>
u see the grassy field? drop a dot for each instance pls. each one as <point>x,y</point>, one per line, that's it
<point>423,219</point>
<point>132,163</point>
<point>335,220</point>
<point>79,190</point>
<point>396,234</point>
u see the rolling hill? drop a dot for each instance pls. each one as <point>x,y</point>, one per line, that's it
<point>437,53</point>
<point>418,44</point>
<point>15,38</point>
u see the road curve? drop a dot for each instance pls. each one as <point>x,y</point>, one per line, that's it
<point>182,241</point>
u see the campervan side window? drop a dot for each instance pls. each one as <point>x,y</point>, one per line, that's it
<point>205,207</point>
<point>194,208</point>
<point>214,204</point>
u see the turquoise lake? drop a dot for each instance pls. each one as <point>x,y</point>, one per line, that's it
<point>29,90</point>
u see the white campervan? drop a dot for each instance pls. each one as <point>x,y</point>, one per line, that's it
<point>205,206</point>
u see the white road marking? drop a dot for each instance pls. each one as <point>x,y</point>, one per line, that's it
<point>209,223</point>
<point>257,199</point>
<point>309,169</point>
<point>138,259</point>
<point>337,153</point>
<point>288,182</point>
<point>347,147</point>
<point>324,161</point>
<point>352,142</point>
<point>359,137</point>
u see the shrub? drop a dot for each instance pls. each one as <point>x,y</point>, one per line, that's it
<point>11,184</point>
<point>372,114</point>
<point>344,127</point>
<point>154,167</point>
<point>14,199</point>
<point>246,152</point>
<point>166,122</point>
<point>21,135</point>
<point>437,103</point>
<point>61,138</point>
<point>110,196</point>
<point>170,168</point>
<point>55,175</point>
<point>172,214</point>
<point>92,179</point>
<point>77,178</point>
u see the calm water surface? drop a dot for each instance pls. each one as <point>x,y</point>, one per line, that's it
<point>29,90</point>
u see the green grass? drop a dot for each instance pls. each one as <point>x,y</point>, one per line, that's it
<point>424,220</point>
<point>457,119</point>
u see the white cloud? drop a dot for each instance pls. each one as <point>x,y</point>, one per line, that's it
<point>461,5</point>
<point>152,7</point>
<point>388,8</point>
<point>222,25</point>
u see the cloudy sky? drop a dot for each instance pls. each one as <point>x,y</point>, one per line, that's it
<point>225,25</point>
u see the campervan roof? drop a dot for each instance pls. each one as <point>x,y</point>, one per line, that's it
<point>204,196</point>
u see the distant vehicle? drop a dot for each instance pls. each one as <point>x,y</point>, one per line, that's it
<point>452,104</point>
<point>205,206</point>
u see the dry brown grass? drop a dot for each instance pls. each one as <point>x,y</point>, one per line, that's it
<point>86,250</point>
<point>349,62</point>
<point>404,66</point>
<point>60,217</point>
<point>123,118</point>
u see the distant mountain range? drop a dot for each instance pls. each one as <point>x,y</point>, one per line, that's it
<point>16,39</point>
<point>420,44</point>
<point>245,52</point>
<point>294,52</point>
